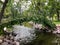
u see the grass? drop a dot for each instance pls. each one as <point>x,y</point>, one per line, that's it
<point>27,24</point>
<point>56,22</point>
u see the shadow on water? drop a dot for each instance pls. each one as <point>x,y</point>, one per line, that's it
<point>41,38</point>
<point>44,39</point>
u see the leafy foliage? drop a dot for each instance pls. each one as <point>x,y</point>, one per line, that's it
<point>37,13</point>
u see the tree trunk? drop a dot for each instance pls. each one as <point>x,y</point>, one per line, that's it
<point>58,17</point>
<point>2,10</point>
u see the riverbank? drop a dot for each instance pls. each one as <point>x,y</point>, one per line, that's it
<point>8,40</point>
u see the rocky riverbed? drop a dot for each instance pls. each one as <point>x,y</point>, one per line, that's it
<point>8,40</point>
<point>19,35</point>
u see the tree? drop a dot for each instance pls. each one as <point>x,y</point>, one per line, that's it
<point>54,8</point>
<point>3,8</point>
<point>37,12</point>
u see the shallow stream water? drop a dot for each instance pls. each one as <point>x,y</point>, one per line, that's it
<point>26,35</point>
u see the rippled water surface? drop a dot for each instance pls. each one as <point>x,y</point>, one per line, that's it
<point>24,34</point>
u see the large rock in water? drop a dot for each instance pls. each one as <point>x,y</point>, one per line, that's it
<point>24,34</point>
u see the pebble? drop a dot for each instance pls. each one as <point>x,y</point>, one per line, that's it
<point>4,43</point>
<point>17,43</point>
<point>8,40</point>
<point>1,41</point>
